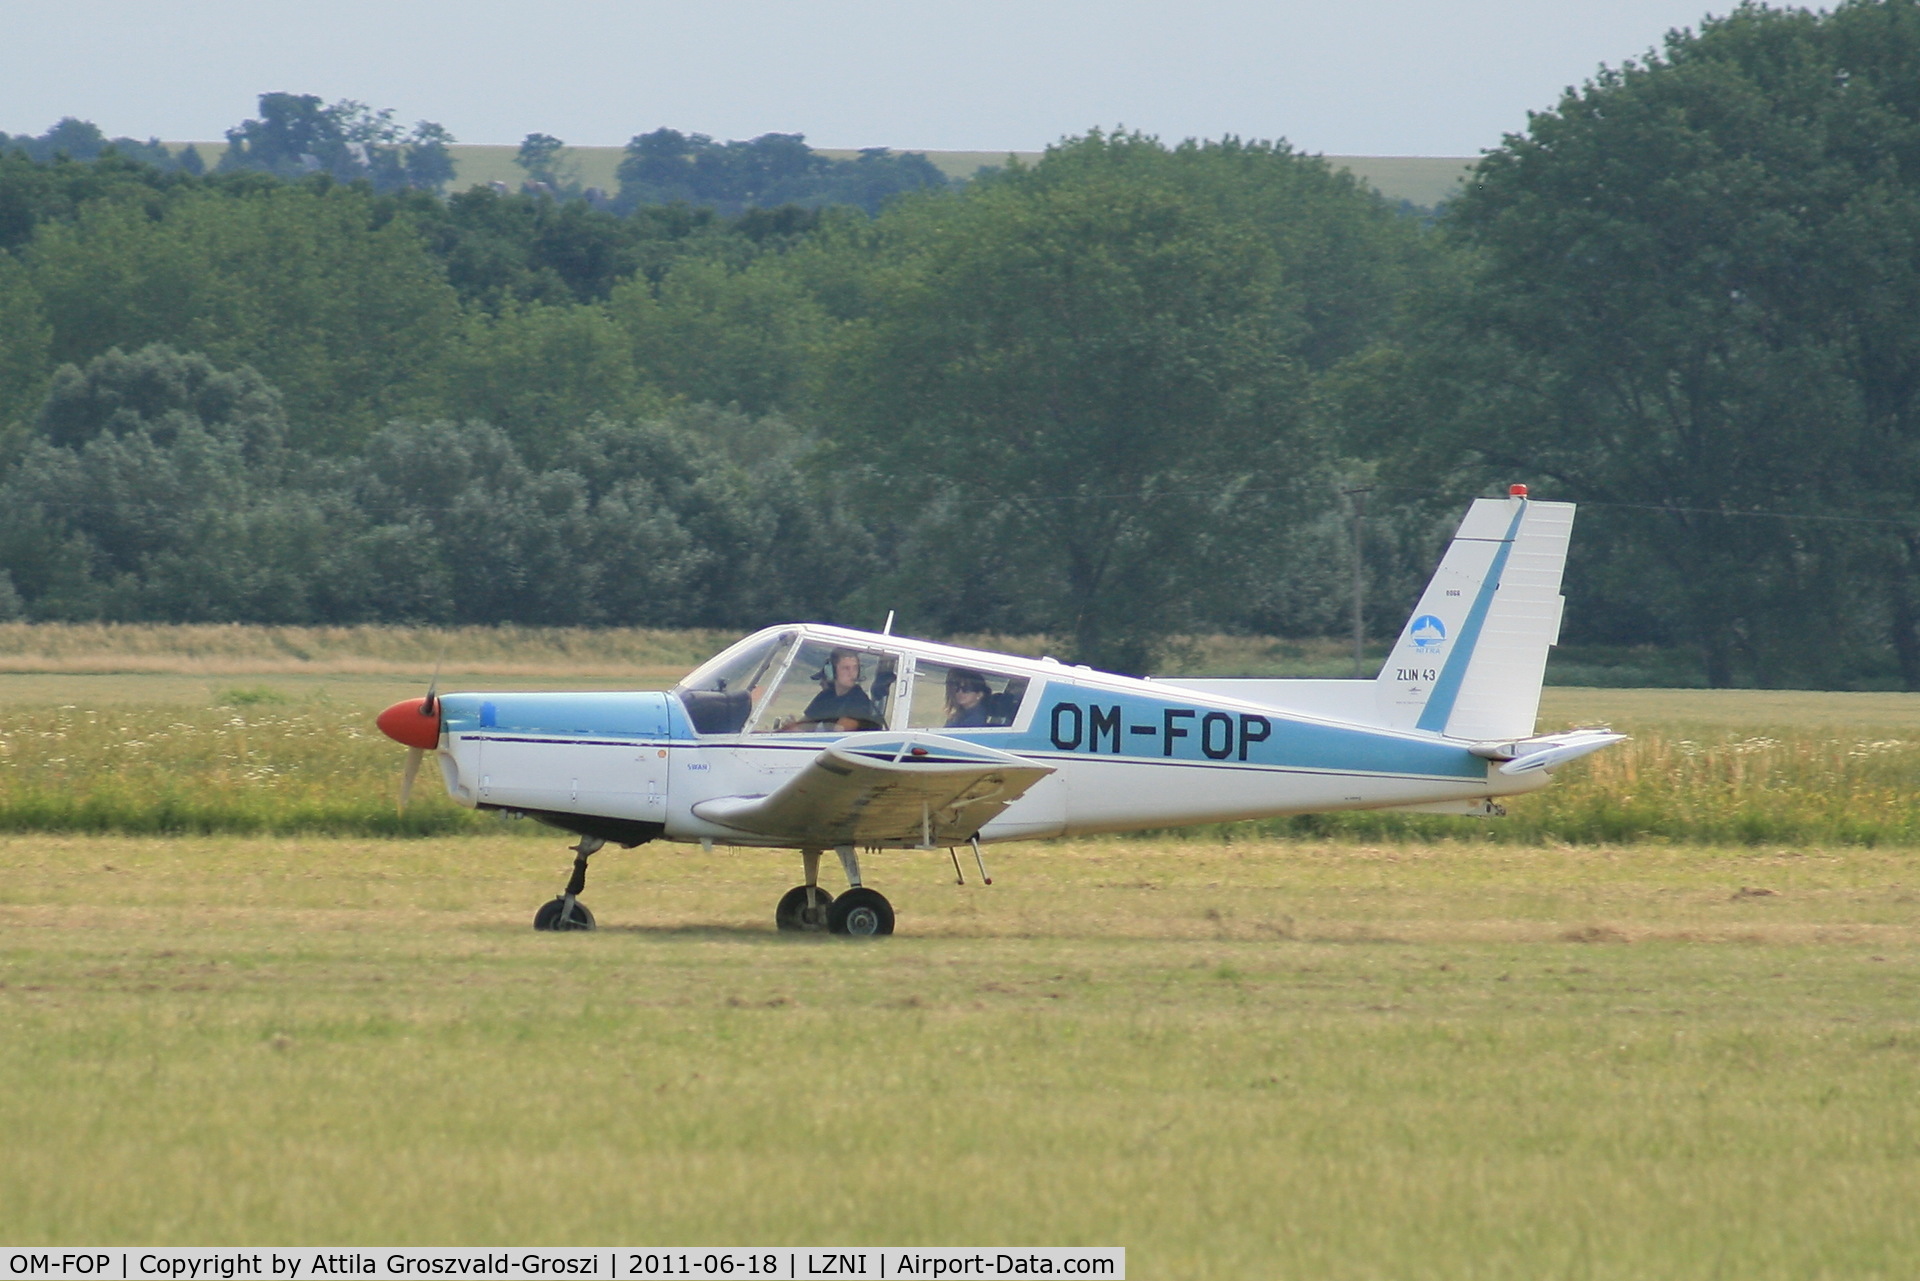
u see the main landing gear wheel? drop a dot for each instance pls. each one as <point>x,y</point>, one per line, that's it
<point>862,913</point>
<point>793,913</point>
<point>549,917</point>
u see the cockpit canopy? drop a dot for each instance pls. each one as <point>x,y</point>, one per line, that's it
<point>789,680</point>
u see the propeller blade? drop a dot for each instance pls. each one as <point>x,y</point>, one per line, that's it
<point>409,774</point>
<point>432,705</point>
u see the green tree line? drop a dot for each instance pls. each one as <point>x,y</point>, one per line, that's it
<point>297,135</point>
<point>1114,395</point>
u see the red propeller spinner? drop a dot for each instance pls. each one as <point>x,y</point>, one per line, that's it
<point>414,722</point>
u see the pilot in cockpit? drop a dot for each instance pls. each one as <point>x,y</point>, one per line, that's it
<point>842,701</point>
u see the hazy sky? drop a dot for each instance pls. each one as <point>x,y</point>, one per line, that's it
<point>1363,77</point>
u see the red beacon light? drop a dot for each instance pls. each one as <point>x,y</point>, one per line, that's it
<point>1516,491</point>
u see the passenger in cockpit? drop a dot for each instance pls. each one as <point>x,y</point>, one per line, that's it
<point>843,701</point>
<point>966,699</point>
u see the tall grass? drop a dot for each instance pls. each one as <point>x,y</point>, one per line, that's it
<point>252,765</point>
<point>1791,786</point>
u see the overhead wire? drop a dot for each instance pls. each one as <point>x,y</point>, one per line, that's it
<point>1214,492</point>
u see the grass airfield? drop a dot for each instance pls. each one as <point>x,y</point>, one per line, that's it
<point>1236,1056</point>
<point>1237,1060</point>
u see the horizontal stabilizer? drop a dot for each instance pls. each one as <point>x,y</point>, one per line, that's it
<point>1546,752</point>
<point>884,789</point>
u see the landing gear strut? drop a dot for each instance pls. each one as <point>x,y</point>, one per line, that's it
<point>567,912</point>
<point>860,912</point>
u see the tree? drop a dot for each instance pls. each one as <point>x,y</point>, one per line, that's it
<point>500,248</point>
<point>877,175</point>
<point>71,137</point>
<point>1691,287</point>
<point>34,194</point>
<point>545,160</point>
<point>155,488</point>
<point>25,343</point>
<point>332,299</point>
<point>695,518</point>
<point>429,162</point>
<point>657,168</point>
<point>540,372</point>
<point>162,392</point>
<point>295,135</point>
<point>82,140</point>
<point>1083,374</point>
<point>667,166</point>
<point>727,337</point>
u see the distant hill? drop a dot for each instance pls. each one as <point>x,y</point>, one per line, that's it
<point>1423,180</point>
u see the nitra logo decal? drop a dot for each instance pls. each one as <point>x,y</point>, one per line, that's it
<point>1428,632</point>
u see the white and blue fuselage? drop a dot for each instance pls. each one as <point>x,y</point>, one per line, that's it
<point>1122,753</point>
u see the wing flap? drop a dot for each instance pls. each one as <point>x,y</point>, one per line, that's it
<point>884,788</point>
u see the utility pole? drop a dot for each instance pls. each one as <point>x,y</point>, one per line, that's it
<point>1358,497</point>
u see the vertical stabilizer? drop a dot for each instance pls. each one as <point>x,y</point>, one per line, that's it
<point>1471,660</point>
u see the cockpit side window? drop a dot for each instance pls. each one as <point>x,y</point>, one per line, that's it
<point>830,688</point>
<point>947,696</point>
<point>720,694</point>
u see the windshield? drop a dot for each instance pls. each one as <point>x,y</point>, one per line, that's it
<point>719,694</point>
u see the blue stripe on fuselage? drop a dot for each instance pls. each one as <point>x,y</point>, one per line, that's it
<point>1069,721</point>
<point>1088,723</point>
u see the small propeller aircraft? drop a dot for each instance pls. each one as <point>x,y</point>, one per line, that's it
<point>818,738</point>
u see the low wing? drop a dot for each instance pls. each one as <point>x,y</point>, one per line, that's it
<point>884,788</point>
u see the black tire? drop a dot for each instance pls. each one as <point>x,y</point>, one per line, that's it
<point>792,913</point>
<point>861,913</point>
<point>548,917</point>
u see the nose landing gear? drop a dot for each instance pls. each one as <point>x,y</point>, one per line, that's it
<point>567,912</point>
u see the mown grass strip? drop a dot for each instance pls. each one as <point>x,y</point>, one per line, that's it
<point>1275,1059</point>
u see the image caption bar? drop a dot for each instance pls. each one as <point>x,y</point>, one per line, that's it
<point>534,1263</point>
